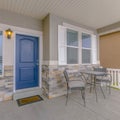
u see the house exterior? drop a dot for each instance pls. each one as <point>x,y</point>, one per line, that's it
<point>20,25</point>
<point>41,50</point>
<point>64,46</point>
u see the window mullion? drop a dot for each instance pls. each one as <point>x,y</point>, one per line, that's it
<point>80,48</point>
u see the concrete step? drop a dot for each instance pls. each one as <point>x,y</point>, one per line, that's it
<point>27,93</point>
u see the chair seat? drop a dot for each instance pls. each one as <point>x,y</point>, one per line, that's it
<point>76,84</point>
<point>103,80</point>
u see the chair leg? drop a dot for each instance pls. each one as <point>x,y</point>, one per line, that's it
<point>67,96</point>
<point>95,92</point>
<point>102,91</point>
<point>109,88</point>
<point>90,88</point>
<point>91,84</point>
<point>83,96</point>
<point>108,85</point>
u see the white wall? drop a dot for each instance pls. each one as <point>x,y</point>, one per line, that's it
<point>1,45</point>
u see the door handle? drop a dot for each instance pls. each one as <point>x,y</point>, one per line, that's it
<point>37,63</point>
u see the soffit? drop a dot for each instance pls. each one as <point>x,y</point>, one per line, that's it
<point>93,13</point>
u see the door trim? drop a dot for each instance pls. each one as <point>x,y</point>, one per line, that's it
<point>27,63</point>
<point>29,33</point>
<point>25,31</point>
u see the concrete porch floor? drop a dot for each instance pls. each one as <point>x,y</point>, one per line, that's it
<point>55,109</point>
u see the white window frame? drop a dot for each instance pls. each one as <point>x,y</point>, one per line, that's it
<point>86,49</point>
<point>71,46</point>
<point>80,31</point>
<point>3,38</point>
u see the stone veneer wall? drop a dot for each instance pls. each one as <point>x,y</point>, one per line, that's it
<point>6,84</point>
<point>53,80</point>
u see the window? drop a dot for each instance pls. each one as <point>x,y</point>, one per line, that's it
<point>86,48</point>
<point>72,47</point>
<point>1,63</point>
<point>76,46</point>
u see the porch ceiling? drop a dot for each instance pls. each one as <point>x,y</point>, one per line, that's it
<point>93,13</point>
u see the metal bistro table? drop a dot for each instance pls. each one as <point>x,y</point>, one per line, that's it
<point>93,75</point>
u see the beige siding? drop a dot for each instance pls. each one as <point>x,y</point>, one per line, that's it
<point>109,28</point>
<point>54,22</point>
<point>46,38</point>
<point>10,18</point>
<point>110,50</point>
<point>13,19</point>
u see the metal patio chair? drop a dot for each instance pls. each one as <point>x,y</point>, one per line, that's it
<point>75,85</point>
<point>106,78</point>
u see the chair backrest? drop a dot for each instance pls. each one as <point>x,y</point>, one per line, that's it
<point>66,76</point>
<point>100,69</point>
<point>89,67</point>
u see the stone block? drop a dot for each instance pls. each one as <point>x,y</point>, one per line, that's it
<point>55,84</point>
<point>8,68</point>
<point>2,83</point>
<point>9,85</point>
<point>2,93</point>
<point>8,73</point>
<point>8,96</point>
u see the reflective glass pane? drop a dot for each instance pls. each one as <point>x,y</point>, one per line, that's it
<point>1,52</point>
<point>72,38</point>
<point>86,40</point>
<point>86,56</point>
<point>72,55</point>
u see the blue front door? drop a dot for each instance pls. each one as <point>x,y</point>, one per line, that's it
<point>27,61</point>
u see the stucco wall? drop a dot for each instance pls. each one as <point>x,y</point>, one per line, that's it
<point>110,50</point>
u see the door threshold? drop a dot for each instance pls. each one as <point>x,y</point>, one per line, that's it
<point>27,93</point>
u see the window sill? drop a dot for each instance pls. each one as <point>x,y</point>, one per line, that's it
<point>1,76</point>
<point>78,64</point>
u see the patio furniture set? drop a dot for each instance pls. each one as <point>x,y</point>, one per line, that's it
<point>95,77</point>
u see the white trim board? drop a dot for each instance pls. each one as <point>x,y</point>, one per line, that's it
<point>40,57</point>
<point>46,62</point>
<point>3,36</point>
<point>27,92</point>
<point>76,28</point>
<point>109,31</point>
<point>20,29</point>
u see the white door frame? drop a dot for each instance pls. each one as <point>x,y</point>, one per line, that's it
<point>24,31</point>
